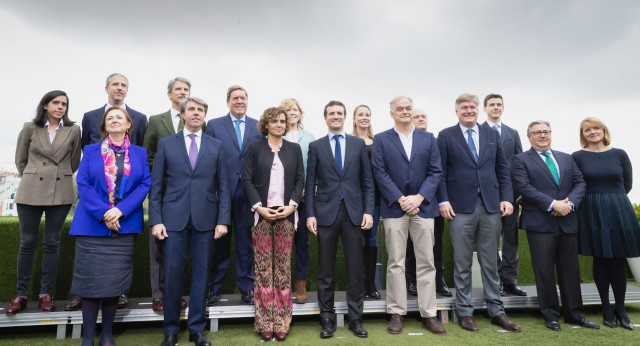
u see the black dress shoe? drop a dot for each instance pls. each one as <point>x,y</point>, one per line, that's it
<point>413,289</point>
<point>170,340</point>
<point>443,290</point>
<point>623,319</point>
<point>515,290</point>
<point>584,323</point>
<point>199,339</point>
<point>553,325</point>
<point>372,294</point>
<point>247,297</point>
<point>73,304</point>
<point>610,323</point>
<point>212,299</point>
<point>328,328</point>
<point>123,301</point>
<point>357,329</point>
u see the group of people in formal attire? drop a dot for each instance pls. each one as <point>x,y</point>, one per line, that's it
<point>270,183</point>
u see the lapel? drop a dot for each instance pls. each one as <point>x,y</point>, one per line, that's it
<point>133,169</point>
<point>484,137</point>
<point>99,163</point>
<point>562,167</point>
<point>506,133</point>
<point>326,148</point>
<point>43,137</point>
<point>414,144</point>
<point>462,141</point>
<point>542,165</point>
<point>165,119</point>
<point>228,124</point>
<point>349,153</point>
<point>395,139</point>
<point>61,137</point>
<point>249,127</point>
<point>204,146</point>
<point>182,148</point>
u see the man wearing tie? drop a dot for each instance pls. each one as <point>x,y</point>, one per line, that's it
<point>407,168</point>
<point>474,192</point>
<point>236,130</point>
<point>509,263</point>
<point>189,206</point>
<point>160,126</point>
<point>552,188</point>
<point>341,206</point>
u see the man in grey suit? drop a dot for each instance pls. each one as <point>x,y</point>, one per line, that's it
<point>509,262</point>
<point>341,206</point>
<point>160,126</point>
<point>474,192</point>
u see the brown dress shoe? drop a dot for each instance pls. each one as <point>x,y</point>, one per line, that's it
<point>158,305</point>
<point>301,292</point>
<point>395,325</point>
<point>467,323</point>
<point>16,306</point>
<point>73,304</point>
<point>46,304</point>
<point>433,325</point>
<point>503,321</point>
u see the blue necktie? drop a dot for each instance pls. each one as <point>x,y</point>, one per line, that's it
<point>238,133</point>
<point>338,153</point>
<point>193,151</point>
<point>497,128</point>
<point>472,144</point>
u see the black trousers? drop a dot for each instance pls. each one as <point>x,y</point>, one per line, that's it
<point>352,242</point>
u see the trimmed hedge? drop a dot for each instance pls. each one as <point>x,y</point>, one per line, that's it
<point>140,287</point>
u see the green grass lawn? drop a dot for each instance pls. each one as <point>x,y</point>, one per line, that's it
<point>306,329</point>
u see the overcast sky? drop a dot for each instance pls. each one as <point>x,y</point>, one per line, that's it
<point>555,60</point>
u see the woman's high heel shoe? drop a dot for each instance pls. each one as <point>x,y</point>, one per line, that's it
<point>623,320</point>
<point>610,323</point>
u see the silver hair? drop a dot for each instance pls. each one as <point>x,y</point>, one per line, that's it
<point>178,79</point>
<point>397,98</point>
<point>183,103</point>
<point>116,75</point>
<point>536,122</point>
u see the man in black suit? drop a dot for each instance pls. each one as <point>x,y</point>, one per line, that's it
<point>509,262</point>
<point>341,206</point>
<point>552,187</point>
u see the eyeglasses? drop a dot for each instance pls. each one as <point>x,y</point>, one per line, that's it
<point>539,133</point>
<point>238,98</point>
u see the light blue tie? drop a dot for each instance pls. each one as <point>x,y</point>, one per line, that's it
<point>472,144</point>
<point>238,133</point>
<point>497,128</point>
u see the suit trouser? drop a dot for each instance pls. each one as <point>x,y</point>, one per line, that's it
<point>301,241</point>
<point>352,240</point>
<point>397,230</point>
<point>244,248</point>
<point>560,250</point>
<point>29,217</point>
<point>176,248</point>
<point>156,266</point>
<point>509,263</point>
<point>410,261</point>
<point>481,229</point>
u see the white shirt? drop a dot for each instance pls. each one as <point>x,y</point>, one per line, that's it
<point>175,118</point>
<point>492,124</point>
<point>407,141</point>
<point>53,135</point>
<point>244,121</point>
<point>343,144</point>
<point>475,135</point>
<point>124,106</point>
<point>187,139</point>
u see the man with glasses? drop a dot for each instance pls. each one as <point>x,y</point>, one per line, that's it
<point>552,187</point>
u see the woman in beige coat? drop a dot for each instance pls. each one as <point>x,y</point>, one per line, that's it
<point>47,154</point>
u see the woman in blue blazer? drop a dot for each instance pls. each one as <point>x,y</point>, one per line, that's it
<point>113,181</point>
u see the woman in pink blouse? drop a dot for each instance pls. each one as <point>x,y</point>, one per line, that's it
<point>273,180</point>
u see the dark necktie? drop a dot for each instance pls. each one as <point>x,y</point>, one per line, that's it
<point>193,151</point>
<point>338,153</point>
<point>472,144</point>
<point>238,133</point>
<point>552,166</point>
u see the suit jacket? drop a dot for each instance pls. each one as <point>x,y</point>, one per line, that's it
<point>179,192</point>
<point>257,172</point>
<point>94,195</point>
<point>355,184</point>
<point>463,176</point>
<point>397,175</point>
<point>535,183</point>
<point>510,142</point>
<point>160,126</point>
<point>223,129</point>
<point>47,168</point>
<point>91,126</point>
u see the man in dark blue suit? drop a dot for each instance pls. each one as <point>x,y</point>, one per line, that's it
<point>341,206</point>
<point>236,130</point>
<point>509,263</point>
<point>473,194</point>
<point>116,88</point>
<point>189,205</point>
<point>552,188</point>
<point>407,168</point>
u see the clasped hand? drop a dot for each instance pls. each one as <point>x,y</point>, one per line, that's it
<point>410,204</point>
<point>277,214</point>
<point>561,208</point>
<point>111,218</point>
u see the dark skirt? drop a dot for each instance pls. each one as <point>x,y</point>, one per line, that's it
<point>608,226</point>
<point>104,265</point>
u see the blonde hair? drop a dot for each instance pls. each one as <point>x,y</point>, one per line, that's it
<point>355,126</point>
<point>467,97</point>
<point>594,122</point>
<point>289,103</point>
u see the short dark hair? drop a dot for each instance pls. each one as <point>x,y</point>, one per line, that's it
<point>41,114</point>
<point>335,103</point>
<point>269,114</point>
<point>492,96</point>
<point>103,129</point>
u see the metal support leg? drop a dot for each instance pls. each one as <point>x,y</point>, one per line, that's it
<point>213,325</point>
<point>62,331</point>
<point>340,320</point>
<point>76,331</point>
<point>444,316</point>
